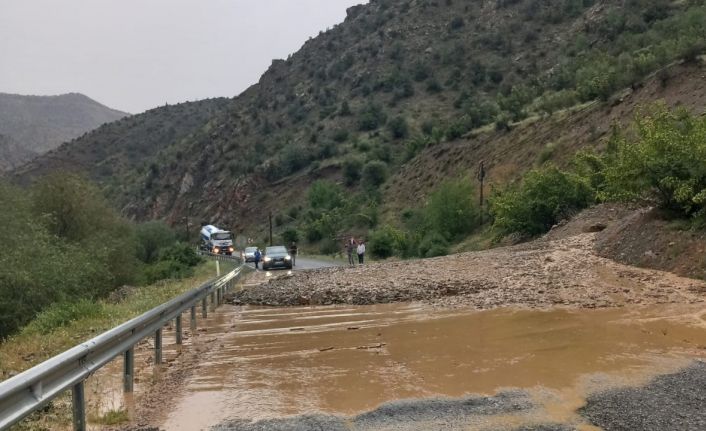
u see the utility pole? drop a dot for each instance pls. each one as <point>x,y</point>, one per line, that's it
<point>271,229</point>
<point>481,179</point>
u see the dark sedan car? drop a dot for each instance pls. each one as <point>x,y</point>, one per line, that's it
<point>276,257</point>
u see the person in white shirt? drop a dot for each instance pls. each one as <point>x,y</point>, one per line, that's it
<point>361,252</point>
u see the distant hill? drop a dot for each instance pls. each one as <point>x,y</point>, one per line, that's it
<point>37,124</point>
<point>425,88</point>
<point>12,154</point>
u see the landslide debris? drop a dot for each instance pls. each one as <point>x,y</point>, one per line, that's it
<point>538,274</point>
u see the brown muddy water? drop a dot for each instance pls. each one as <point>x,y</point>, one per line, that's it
<point>274,362</point>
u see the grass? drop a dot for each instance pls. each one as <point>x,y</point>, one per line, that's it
<point>482,240</point>
<point>65,325</point>
<point>112,417</point>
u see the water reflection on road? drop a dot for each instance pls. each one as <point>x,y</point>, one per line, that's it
<point>285,361</point>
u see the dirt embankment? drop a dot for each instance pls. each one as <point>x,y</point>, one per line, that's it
<point>546,272</point>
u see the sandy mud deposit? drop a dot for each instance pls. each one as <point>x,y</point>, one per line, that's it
<point>538,274</point>
<point>415,367</point>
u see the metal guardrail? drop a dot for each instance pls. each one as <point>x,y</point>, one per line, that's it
<point>31,390</point>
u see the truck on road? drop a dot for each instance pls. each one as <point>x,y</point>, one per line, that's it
<point>217,241</point>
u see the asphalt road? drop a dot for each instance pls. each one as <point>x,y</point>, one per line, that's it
<point>305,263</point>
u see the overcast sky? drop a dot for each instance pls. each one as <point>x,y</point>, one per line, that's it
<point>134,55</point>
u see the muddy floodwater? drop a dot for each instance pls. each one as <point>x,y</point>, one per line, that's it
<point>275,362</point>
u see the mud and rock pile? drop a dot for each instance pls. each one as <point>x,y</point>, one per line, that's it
<point>538,274</point>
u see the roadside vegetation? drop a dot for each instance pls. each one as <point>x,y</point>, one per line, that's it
<point>64,325</point>
<point>64,247</point>
<point>660,160</point>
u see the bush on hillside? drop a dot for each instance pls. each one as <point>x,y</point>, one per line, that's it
<point>451,210</point>
<point>382,242</point>
<point>290,235</point>
<point>543,198</point>
<point>399,128</point>
<point>151,238</point>
<point>325,195</point>
<point>371,117</point>
<point>665,163</point>
<point>352,168</point>
<point>433,244</point>
<point>374,174</point>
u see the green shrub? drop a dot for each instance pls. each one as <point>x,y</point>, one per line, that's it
<point>382,242</point>
<point>451,209</point>
<point>371,117</point>
<point>665,163</point>
<point>374,173</point>
<point>165,269</point>
<point>399,128</point>
<point>182,253</point>
<point>325,195</point>
<point>543,198</point>
<point>340,135</point>
<point>151,237</point>
<point>352,168</point>
<point>64,313</point>
<point>290,235</point>
<point>433,244</point>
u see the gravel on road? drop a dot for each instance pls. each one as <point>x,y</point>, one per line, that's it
<point>670,402</point>
<point>538,274</point>
<point>408,415</point>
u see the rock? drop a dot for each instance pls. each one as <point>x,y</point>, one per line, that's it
<point>596,227</point>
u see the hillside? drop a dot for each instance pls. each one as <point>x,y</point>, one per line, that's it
<point>424,89</point>
<point>37,124</point>
<point>12,154</point>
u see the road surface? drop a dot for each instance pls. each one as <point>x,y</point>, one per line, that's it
<point>305,263</point>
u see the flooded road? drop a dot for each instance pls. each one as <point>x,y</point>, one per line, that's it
<point>275,362</point>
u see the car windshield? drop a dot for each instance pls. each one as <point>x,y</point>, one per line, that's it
<point>250,249</point>
<point>276,250</point>
<point>220,236</point>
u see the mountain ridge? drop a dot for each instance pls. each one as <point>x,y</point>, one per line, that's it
<point>37,124</point>
<point>389,84</point>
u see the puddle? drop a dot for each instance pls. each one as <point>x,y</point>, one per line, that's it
<point>347,360</point>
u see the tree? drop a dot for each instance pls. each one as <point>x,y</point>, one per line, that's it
<point>152,236</point>
<point>371,117</point>
<point>399,128</point>
<point>451,209</point>
<point>374,173</point>
<point>543,198</point>
<point>665,163</point>
<point>352,167</point>
<point>325,195</point>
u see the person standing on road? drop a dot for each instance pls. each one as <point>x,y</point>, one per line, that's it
<point>258,255</point>
<point>350,248</point>
<point>361,252</point>
<point>293,252</point>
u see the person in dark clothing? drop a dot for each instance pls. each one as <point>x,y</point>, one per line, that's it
<point>350,250</point>
<point>293,252</point>
<point>258,256</point>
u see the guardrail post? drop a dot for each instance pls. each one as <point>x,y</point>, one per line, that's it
<point>78,402</point>
<point>128,369</point>
<point>204,308</point>
<point>218,267</point>
<point>158,346</point>
<point>213,300</point>
<point>178,329</point>
<point>193,319</point>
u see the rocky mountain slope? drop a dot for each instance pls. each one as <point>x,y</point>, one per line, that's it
<point>428,88</point>
<point>37,124</point>
<point>13,154</point>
